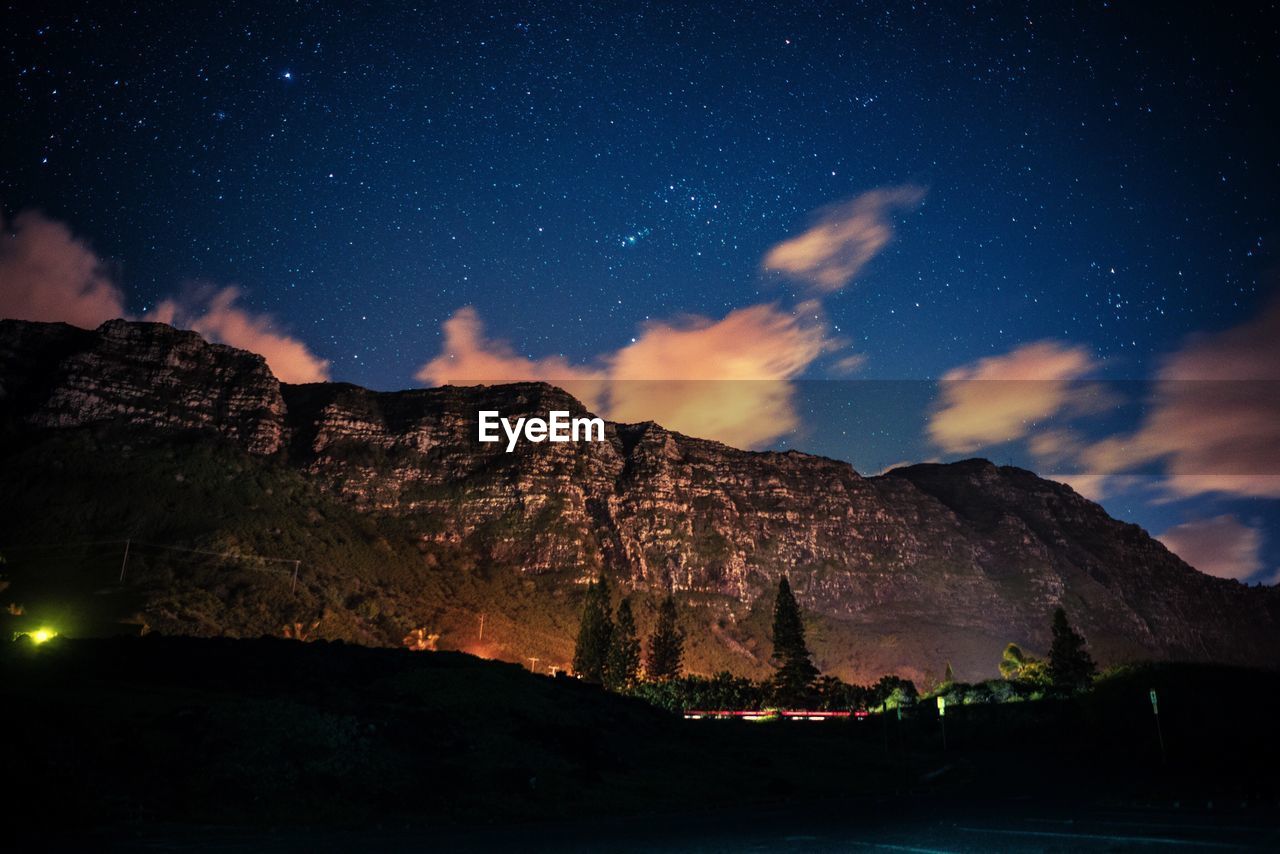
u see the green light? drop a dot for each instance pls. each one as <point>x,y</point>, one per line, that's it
<point>42,635</point>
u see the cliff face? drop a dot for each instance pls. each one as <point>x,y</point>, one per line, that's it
<point>905,571</point>
<point>966,555</point>
<point>148,375</point>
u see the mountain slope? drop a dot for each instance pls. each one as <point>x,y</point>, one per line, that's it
<point>403,520</point>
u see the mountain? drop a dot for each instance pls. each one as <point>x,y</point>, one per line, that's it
<point>399,519</point>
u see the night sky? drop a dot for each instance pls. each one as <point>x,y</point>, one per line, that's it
<point>1099,181</point>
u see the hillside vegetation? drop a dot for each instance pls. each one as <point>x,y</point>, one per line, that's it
<point>195,511</point>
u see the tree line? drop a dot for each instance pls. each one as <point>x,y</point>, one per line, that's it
<point>608,652</point>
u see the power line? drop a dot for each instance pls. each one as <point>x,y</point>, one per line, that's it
<point>130,543</point>
<point>235,555</point>
<point>127,542</point>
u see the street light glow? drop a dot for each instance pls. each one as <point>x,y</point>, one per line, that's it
<point>41,635</point>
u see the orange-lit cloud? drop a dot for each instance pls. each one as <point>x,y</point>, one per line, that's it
<point>468,357</point>
<point>1150,488</point>
<point>1094,487</point>
<point>724,379</point>
<point>848,364</point>
<point>1214,417</point>
<point>1055,445</point>
<point>842,240</point>
<point>1211,423</point>
<point>1222,546</point>
<point>216,316</point>
<point>901,464</point>
<point>728,379</point>
<point>1002,398</point>
<point>47,274</point>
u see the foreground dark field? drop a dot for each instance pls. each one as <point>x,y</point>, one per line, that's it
<point>252,744</point>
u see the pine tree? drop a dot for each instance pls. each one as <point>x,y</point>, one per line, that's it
<point>949,676</point>
<point>795,665</point>
<point>666,645</point>
<point>622,668</point>
<point>595,631</point>
<point>1070,666</point>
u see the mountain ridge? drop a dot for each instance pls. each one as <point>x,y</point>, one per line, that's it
<point>903,571</point>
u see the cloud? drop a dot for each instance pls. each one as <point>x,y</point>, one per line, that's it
<point>901,464</point>
<point>1055,445</point>
<point>215,315</point>
<point>725,379</point>
<point>1221,546</point>
<point>1213,418</point>
<point>47,274</point>
<point>849,364</point>
<point>729,379</point>
<point>1211,422</point>
<point>1245,352</point>
<point>842,240</point>
<point>468,357</point>
<point>1002,398</point>
<point>1094,487</point>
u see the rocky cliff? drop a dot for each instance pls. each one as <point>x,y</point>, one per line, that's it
<point>146,374</point>
<point>903,572</point>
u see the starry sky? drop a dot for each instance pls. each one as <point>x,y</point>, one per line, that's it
<point>1086,187</point>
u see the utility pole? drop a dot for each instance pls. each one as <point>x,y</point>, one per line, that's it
<point>904,758</point>
<point>533,663</point>
<point>1155,711</point>
<point>125,562</point>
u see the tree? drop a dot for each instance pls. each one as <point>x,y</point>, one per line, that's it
<point>1017,666</point>
<point>795,665</point>
<point>832,694</point>
<point>1012,661</point>
<point>622,667</point>
<point>892,692</point>
<point>949,675</point>
<point>666,644</point>
<point>595,631</point>
<point>1070,666</point>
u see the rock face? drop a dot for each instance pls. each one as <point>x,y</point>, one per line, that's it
<point>923,565</point>
<point>143,374</point>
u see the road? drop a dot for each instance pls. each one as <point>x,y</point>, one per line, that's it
<point>898,825</point>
